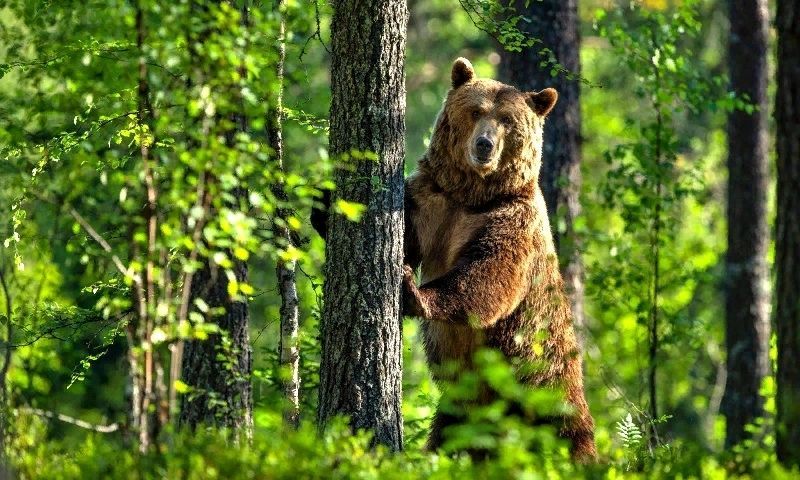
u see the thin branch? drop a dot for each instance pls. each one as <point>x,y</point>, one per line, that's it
<point>317,34</point>
<point>71,420</point>
<point>103,243</point>
<point>49,332</point>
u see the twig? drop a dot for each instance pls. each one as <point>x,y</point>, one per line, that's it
<point>103,243</point>
<point>317,34</point>
<point>71,420</point>
<point>50,331</point>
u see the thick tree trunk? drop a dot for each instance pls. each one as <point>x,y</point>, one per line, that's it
<point>555,23</point>
<point>218,369</point>
<point>746,297</point>
<point>787,238</point>
<point>361,370</point>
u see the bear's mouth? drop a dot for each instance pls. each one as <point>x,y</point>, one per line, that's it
<point>481,168</point>
<point>483,164</point>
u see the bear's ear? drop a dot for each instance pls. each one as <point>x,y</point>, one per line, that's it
<point>462,72</point>
<point>544,101</point>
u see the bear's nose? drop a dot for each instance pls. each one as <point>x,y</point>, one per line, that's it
<point>483,147</point>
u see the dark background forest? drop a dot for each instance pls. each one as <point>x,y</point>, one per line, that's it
<point>161,285</point>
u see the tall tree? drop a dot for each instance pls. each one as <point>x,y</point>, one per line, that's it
<point>555,23</point>
<point>746,300</point>
<point>288,350</point>
<point>147,396</point>
<point>219,368</point>
<point>5,404</point>
<point>361,370</point>
<point>787,238</point>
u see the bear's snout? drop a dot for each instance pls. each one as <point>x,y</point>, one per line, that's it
<point>483,149</point>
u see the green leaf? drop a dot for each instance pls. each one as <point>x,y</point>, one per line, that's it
<point>352,210</point>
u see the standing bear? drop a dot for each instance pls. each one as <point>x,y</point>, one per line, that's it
<point>477,226</point>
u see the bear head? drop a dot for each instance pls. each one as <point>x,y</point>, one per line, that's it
<point>487,141</point>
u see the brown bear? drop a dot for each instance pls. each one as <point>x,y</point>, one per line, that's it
<point>476,224</point>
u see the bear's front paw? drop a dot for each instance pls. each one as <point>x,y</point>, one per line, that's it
<point>413,304</point>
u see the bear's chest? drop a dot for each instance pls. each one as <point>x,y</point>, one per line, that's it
<point>443,229</point>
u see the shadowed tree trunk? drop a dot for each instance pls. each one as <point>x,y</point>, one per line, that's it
<point>787,237</point>
<point>746,301</point>
<point>5,403</point>
<point>223,393</point>
<point>361,370</point>
<point>219,368</point>
<point>555,23</point>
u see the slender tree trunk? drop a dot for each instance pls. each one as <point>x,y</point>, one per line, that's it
<point>746,300</point>
<point>287,280</point>
<point>219,368</point>
<point>361,370</point>
<point>787,238</point>
<point>144,362</point>
<point>556,24</point>
<point>5,403</point>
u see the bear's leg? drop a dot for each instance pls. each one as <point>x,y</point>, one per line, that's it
<point>579,428</point>
<point>583,448</point>
<point>441,420</point>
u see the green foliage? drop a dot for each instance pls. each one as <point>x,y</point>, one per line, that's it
<point>654,266</point>
<point>632,438</point>
<point>501,21</point>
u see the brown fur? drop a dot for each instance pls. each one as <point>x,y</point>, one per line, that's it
<point>480,233</point>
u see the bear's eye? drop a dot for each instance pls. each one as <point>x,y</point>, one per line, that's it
<point>476,114</point>
<point>506,120</point>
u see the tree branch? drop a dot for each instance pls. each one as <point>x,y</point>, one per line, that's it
<point>71,420</point>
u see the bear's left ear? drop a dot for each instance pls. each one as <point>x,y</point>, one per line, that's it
<point>544,101</point>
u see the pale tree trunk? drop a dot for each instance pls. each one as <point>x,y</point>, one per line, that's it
<point>556,24</point>
<point>361,370</point>
<point>148,409</point>
<point>787,238</point>
<point>288,349</point>
<point>218,369</point>
<point>746,297</point>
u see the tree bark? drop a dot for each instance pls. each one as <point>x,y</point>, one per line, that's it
<point>218,369</point>
<point>787,238</point>
<point>361,370</point>
<point>556,24</point>
<point>288,349</point>
<point>148,410</point>
<point>5,398</point>
<point>746,297</point>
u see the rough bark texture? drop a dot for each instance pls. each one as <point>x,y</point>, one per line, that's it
<point>223,394</point>
<point>555,23</point>
<point>361,370</point>
<point>787,238</point>
<point>746,298</point>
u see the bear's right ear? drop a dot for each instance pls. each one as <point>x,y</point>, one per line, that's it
<point>462,72</point>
